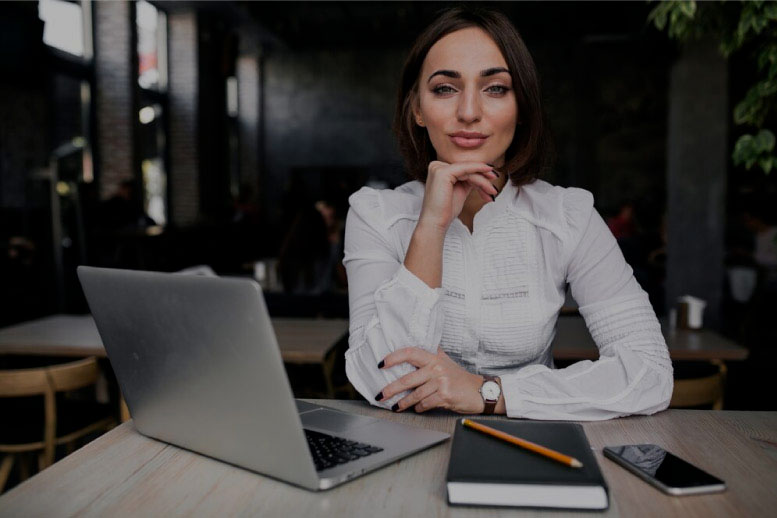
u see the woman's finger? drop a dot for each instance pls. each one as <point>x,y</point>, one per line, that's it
<point>413,355</point>
<point>485,189</point>
<point>408,381</point>
<point>430,402</point>
<point>460,169</point>
<point>422,392</point>
<point>479,181</point>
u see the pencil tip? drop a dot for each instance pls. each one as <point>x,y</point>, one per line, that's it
<point>576,463</point>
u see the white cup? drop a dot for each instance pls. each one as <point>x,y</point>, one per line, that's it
<point>695,310</point>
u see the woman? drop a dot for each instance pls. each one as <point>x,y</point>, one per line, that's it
<point>456,279</point>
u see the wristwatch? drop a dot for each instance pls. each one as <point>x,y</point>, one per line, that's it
<point>490,390</point>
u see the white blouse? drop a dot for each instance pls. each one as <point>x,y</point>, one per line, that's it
<point>502,288</point>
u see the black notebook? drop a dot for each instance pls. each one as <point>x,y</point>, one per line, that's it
<point>484,470</point>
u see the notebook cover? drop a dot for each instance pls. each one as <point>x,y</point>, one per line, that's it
<point>480,458</point>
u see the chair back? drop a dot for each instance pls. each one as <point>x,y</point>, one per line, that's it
<point>73,375</point>
<point>706,390</point>
<point>23,382</point>
<point>47,381</point>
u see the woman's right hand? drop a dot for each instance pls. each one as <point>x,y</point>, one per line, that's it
<point>447,187</point>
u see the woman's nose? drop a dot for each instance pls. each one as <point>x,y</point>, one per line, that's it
<point>469,109</point>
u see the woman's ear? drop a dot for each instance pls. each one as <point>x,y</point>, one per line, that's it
<point>417,112</point>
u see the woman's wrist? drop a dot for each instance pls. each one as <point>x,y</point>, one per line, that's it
<point>424,254</point>
<point>431,228</point>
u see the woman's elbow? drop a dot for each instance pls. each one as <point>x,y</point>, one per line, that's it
<point>656,394</point>
<point>363,381</point>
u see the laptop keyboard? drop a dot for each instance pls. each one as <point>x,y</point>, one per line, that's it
<point>329,451</point>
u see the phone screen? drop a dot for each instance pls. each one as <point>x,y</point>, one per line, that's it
<point>657,463</point>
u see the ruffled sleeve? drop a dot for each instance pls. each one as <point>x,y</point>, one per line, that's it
<point>390,308</point>
<point>634,373</point>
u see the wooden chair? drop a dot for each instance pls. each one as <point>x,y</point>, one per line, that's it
<point>707,389</point>
<point>47,382</point>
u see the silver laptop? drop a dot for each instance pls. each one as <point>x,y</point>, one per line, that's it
<point>198,363</point>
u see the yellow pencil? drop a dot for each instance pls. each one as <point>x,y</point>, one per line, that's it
<point>536,448</point>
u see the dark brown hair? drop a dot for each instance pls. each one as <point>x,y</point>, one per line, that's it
<point>529,154</point>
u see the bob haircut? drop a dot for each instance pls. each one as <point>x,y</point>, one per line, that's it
<point>529,154</point>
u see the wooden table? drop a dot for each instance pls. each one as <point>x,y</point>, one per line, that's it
<point>301,340</point>
<point>126,474</point>
<point>574,342</point>
<point>309,341</point>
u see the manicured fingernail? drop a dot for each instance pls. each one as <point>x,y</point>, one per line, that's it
<point>379,396</point>
<point>395,408</point>
<point>493,197</point>
<point>381,364</point>
<point>495,172</point>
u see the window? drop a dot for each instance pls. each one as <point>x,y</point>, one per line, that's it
<point>151,24</point>
<point>67,30</point>
<point>152,47</point>
<point>67,33</point>
<point>232,136</point>
<point>65,26</point>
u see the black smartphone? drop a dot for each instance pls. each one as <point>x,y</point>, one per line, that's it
<point>667,472</point>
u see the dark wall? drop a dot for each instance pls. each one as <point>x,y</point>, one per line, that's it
<point>329,109</point>
<point>329,100</point>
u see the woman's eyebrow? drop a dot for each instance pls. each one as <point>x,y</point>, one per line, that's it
<point>491,71</point>
<point>456,75</point>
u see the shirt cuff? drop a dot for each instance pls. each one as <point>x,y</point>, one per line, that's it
<point>427,295</point>
<point>511,389</point>
<point>409,312</point>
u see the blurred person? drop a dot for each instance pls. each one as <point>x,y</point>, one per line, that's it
<point>764,241</point>
<point>310,258</point>
<point>622,224</point>
<point>124,210</point>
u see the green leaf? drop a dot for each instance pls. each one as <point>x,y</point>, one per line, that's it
<point>770,11</point>
<point>767,55</point>
<point>743,149</point>
<point>745,22</point>
<point>752,109</point>
<point>688,8</point>
<point>766,164</point>
<point>764,141</point>
<point>759,24</point>
<point>658,16</point>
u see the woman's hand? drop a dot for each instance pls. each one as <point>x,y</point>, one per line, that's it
<point>439,382</point>
<point>447,187</point>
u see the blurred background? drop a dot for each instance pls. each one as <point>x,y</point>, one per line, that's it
<point>166,135</point>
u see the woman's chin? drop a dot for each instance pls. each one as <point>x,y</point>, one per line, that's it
<point>475,155</point>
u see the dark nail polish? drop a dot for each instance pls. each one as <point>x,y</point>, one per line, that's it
<point>495,172</point>
<point>395,408</point>
<point>379,396</point>
<point>493,197</point>
<point>381,364</point>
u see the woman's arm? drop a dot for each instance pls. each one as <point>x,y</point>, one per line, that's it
<point>447,188</point>
<point>395,305</point>
<point>634,372</point>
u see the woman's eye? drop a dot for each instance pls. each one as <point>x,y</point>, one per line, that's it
<point>443,89</point>
<point>497,89</point>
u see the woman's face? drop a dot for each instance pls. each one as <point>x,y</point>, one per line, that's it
<point>466,99</point>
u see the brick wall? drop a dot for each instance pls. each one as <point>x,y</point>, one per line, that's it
<point>248,80</point>
<point>113,93</point>
<point>184,163</point>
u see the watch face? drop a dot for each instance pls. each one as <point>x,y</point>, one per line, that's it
<point>490,390</point>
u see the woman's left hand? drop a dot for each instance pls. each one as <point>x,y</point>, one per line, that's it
<point>438,382</point>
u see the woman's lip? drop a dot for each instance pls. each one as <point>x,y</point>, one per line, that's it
<point>468,142</point>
